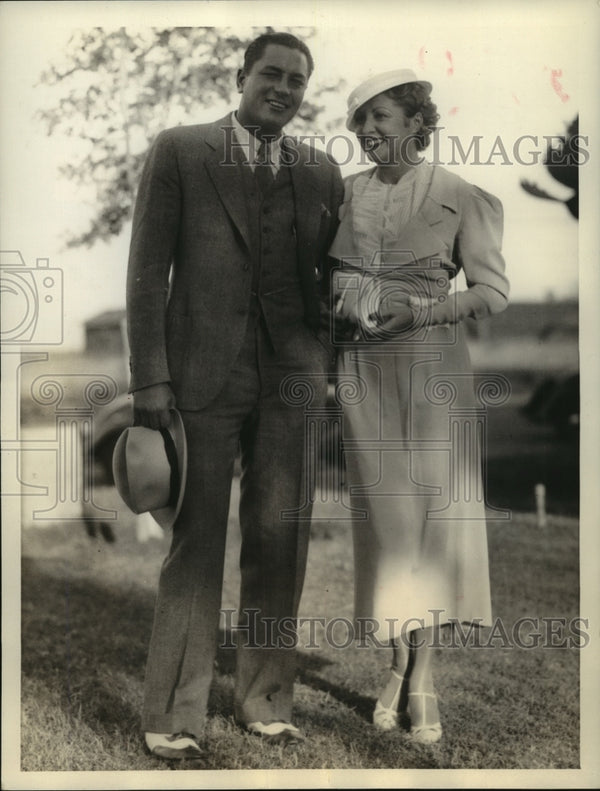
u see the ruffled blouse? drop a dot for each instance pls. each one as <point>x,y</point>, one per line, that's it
<point>380,210</point>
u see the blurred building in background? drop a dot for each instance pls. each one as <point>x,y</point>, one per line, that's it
<point>106,333</point>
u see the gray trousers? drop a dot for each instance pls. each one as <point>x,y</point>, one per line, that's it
<point>252,414</point>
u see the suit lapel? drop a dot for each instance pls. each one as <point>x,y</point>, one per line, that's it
<point>224,164</point>
<point>424,235</point>
<point>419,237</point>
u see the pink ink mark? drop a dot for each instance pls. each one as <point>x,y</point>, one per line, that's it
<point>515,98</point>
<point>422,53</point>
<point>450,71</point>
<point>558,89</point>
<point>453,111</point>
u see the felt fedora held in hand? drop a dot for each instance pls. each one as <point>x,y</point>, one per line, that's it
<point>376,85</point>
<point>150,469</point>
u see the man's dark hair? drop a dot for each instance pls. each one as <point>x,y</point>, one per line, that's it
<point>257,47</point>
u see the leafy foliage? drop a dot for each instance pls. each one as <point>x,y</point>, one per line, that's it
<point>118,88</point>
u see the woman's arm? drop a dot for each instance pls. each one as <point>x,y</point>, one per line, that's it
<point>477,251</point>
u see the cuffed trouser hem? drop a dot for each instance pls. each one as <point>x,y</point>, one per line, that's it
<point>169,724</point>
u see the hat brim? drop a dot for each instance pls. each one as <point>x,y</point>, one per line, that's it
<point>166,516</point>
<point>351,126</point>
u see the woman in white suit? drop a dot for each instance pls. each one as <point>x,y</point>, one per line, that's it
<point>407,228</point>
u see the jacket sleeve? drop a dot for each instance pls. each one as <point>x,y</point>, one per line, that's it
<point>153,241</point>
<point>477,250</point>
<point>336,192</point>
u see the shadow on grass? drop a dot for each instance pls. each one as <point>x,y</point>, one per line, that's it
<point>85,642</point>
<point>361,704</point>
<point>88,643</point>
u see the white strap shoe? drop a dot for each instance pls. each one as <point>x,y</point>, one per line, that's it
<point>385,718</point>
<point>423,733</point>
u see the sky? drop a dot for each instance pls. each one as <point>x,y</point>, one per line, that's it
<point>495,75</point>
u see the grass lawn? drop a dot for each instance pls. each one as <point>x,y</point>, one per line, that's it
<point>87,614</point>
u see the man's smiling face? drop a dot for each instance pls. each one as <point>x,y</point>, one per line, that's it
<point>273,90</point>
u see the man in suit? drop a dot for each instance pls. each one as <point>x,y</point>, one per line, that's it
<point>231,229</point>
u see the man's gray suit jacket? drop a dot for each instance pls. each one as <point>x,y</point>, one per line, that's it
<point>190,266</point>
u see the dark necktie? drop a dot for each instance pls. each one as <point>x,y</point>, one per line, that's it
<point>262,168</point>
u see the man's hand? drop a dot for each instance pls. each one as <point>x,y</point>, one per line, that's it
<point>358,299</point>
<point>152,405</point>
<point>348,307</point>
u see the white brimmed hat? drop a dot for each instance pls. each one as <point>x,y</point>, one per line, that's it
<point>376,85</point>
<point>150,469</point>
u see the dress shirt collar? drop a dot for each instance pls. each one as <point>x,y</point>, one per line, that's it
<point>250,145</point>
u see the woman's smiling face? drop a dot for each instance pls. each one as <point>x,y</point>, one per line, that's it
<point>385,132</point>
